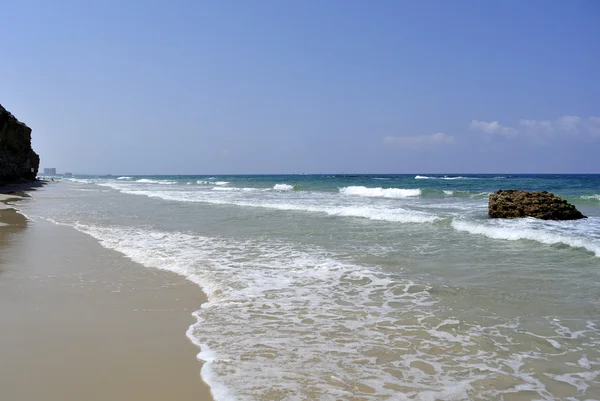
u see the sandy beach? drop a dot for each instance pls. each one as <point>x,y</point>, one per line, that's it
<point>80,322</point>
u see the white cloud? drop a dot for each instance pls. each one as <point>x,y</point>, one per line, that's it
<point>492,128</point>
<point>568,123</point>
<point>537,126</point>
<point>419,141</point>
<point>593,126</point>
<point>540,129</point>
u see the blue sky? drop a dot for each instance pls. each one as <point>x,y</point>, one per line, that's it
<point>208,87</point>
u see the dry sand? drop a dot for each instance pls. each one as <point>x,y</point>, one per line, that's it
<point>80,322</point>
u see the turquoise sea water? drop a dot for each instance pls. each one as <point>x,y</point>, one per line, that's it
<point>364,287</point>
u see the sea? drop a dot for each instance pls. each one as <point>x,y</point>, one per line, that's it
<point>363,287</point>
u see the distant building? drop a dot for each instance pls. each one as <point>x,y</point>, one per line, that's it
<point>50,171</point>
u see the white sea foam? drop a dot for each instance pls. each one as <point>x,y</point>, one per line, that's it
<point>125,178</point>
<point>319,322</point>
<point>81,180</point>
<point>149,181</point>
<point>591,197</point>
<point>308,325</point>
<point>425,177</point>
<point>536,230</point>
<point>237,189</point>
<point>380,213</point>
<point>210,182</point>
<point>396,193</point>
<point>283,187</point>
<point>268,291</point>
<point>448,192</point>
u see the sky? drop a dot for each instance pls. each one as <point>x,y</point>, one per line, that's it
<point>303,86</point>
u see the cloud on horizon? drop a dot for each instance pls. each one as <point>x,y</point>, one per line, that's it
<point>419,141</point>
<point>542,129</point>
<point>492,128</point>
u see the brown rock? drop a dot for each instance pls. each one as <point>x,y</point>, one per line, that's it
<point>542,205</point>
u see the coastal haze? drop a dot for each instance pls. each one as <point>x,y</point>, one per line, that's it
<point>289,201</point>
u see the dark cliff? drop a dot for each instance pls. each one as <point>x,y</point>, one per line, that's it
<point>18,161</point>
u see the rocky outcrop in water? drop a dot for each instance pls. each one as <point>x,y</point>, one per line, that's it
<point>18,161</point>
<point>541,205</point>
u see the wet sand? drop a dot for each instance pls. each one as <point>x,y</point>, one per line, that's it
<point>80,322</point>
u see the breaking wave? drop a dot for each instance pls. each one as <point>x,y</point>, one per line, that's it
<point>396,193</point>
<point>425,177</point>
<point>161,182</point>
<point>283,187</point>
<point>549,233</point>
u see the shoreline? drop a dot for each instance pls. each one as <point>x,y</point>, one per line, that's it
<point>84,322</point>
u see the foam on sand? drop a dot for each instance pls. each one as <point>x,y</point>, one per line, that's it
<point>335,329</point>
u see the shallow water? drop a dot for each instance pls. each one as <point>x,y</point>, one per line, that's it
<point>364,287</point>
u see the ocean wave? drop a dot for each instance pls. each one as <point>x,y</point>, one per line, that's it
<point>425,177</point>
<point>432,192</point>
<point>210,182</point>
<point>149,181</point>
<point>534,230</point>
<point>373,329</point>
<point>125,178</point>
<point>237,189</point>
<point>81,180</point>
<point>396,215</point>
<point>396,193</point>
<point>277,187</point>
<point>283,187</point>
<point>590,197</point>
<point>480,195</point>
<point>286,301</point>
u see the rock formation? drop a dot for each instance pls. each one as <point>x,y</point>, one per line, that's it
<point>541,205</point>
<point>18,161</point>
